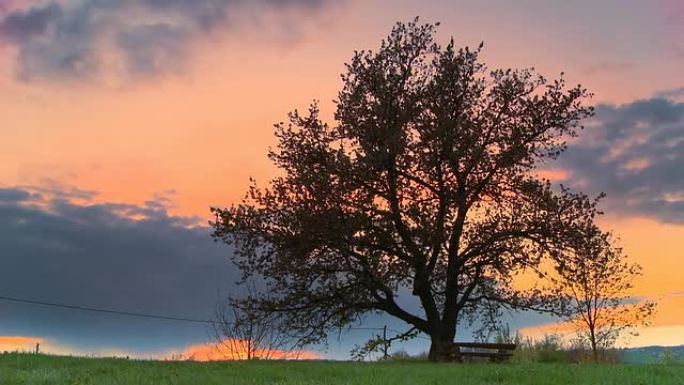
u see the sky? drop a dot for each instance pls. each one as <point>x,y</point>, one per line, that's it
<point>123,121</point>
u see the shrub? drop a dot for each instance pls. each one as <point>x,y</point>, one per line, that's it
<point>552,349</point>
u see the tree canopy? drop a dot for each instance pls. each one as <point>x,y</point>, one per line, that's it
<point>425,184</point>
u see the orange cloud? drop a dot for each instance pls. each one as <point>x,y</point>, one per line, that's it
<point>18,343</point>
<point>637,164</point>
<point>230,350</point>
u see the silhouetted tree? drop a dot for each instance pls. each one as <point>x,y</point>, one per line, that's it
<point>595,278</point>
<point>425,185</point>
<point>245,335</point>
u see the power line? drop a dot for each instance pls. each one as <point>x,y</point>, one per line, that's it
<point>140,315</point>
<point>107,311</point>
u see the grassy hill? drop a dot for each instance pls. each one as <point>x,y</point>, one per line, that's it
<point>42,369</point>
<point>654,354</point>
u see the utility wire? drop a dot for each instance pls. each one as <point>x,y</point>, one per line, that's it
<point>140,315</point>
<point>107,311</point>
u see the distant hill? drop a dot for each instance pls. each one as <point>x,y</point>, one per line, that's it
<point>654,354</point>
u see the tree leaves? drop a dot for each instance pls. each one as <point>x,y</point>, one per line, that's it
<point>424,184</point>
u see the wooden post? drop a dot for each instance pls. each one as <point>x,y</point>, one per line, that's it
<point>455,351</point>
<point>385,344</point>
<point>37,347</point>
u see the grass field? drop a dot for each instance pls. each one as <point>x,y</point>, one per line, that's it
<point>41,369</point>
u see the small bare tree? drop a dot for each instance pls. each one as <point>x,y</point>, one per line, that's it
<point>595,277</point>
<point>381,344</point>
<point>245,335</point>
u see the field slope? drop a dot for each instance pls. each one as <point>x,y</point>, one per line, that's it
<point>41,369</point>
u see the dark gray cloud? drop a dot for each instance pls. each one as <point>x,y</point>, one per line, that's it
<point>107,255</point>
<point>86,39</point>
<point>13,195</point>
<point>153,48</point>
<point>57,245</point>
<point>53,41</point>
<point>675,93</point>
<point>29,23</point>
<point>634,153</point>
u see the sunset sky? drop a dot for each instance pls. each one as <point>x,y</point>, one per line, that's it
<point>123,121</point>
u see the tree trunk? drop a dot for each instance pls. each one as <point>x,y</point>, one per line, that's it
<point>594,349</point>
<point>440,343</point>
<point>437,350</point>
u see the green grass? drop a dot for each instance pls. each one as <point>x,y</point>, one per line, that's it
<point>41,369</point>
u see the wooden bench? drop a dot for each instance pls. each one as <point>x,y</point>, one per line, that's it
<point>455,352</point>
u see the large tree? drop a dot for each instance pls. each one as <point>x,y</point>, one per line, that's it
<point>425,185</point>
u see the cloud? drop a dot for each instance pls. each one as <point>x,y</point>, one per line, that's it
<point>29,23</point>
<point>94,39</point>
<point>155,48</point>
<point>13,195</point>
<point>61,246</point>
<point>673,94</point>
<point>634,153</point>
